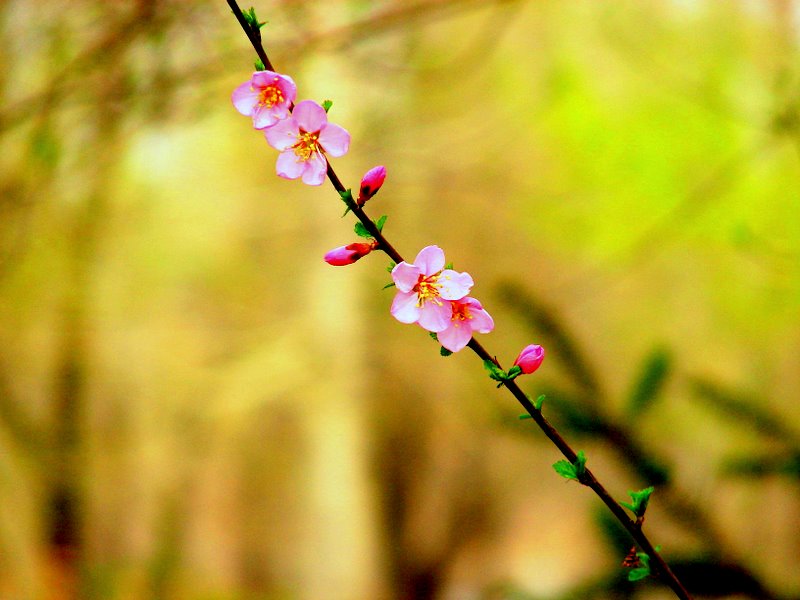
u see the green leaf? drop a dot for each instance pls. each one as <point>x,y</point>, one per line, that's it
<point>448,265</point>
<point>391,266</point>
<point>640,501</point>
<point>566,469</point>
<point>259,65</point>
<point>638,573</point>
<point>580,463</point>
<point>347,198</point>
<point>380,222</point>
<point>650,382</point>
<point>388,285</point>
<point>525,416</point>
<point>361,231</point>
<point>326,104</point>
<point>444,351</point>
<point>252,19</point>
<point>537,404</point>
<point>495,372</point>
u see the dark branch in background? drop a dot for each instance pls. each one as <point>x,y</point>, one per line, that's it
<point>577,414</point>
<point>587,478</point>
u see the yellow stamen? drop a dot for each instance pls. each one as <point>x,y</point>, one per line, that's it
<point>307,144</point>
<point>427,289</point>
<point>270,96</point>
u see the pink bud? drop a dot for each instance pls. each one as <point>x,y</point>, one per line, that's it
<point>530,358</point>
<point>371,183</point>
<point>347,255</point>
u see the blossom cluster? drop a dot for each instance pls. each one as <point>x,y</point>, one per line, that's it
<point>437,299</point>
<point>428,294</point>
<point>300,132</point>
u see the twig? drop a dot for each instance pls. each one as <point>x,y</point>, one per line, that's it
<point>587,478</point>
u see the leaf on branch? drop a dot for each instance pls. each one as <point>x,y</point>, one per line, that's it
<point>537,404</point>
<point>525,416</point>
<point>641,571</point>
<point>361,231</point>
<point>495,372</point>
<point>259,65</point>
<point>640,501</point>
<point>391,266</point>
<point>444,351</point>
<point>380,222</point>
<point>326,104</point>
<point>347,198</point>
<point>388,285</point>
<point>569,470</point>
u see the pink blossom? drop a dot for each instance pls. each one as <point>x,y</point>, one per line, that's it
<point>303,139</point>
<point>467,316</point>
<point>267,97</point>
<point>425,288</point>
<point>530,358</point>
<point>347,255</point>
<point>371,183</point>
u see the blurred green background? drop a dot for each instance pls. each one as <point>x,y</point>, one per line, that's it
<point>193,405</point>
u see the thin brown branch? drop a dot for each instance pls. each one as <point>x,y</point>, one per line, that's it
<point>659,565</point>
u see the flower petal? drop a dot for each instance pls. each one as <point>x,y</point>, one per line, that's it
<point>264,116</point>
<point>454,285</point>
<point>430,260</point>
<point>245,98</point>
<point>283,134</point>
<point>405,276</point>
<point>315,169</point>
<point>334,139</point>
<point>481,321</point>
<point>455,337</point>
<point>288,166</point>
<point>404,307</point>
<point>435,316</point>
<point>310,116</point>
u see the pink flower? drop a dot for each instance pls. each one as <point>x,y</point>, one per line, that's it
<point>303,139</point>
<point>530,358</point>
<point>370,184</point>
<point>267,97</point>
<point>424,289</point>
<point>347,255</point>
<point>467,316</point>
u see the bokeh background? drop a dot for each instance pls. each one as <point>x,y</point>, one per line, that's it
<point>193,405</point>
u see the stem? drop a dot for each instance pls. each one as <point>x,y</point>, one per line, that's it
<point>658,564</point>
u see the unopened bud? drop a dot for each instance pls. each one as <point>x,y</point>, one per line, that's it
<point>371,183</point>
<point>530,358</point>
<point>347,255</point>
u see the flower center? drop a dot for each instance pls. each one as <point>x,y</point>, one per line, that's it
<point>307,144</point>
<point>270,96</point>
<point>427,289</point>
<point>460,311</point>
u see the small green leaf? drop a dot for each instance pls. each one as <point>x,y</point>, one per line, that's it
<point>388,285</point>
<point>259,65</point>
<point>638,573</point>
<point>433,336</point>
<point>444,351</point>
<point>640,501</point>
<point>495,372</point>
<point>361,231</point>
<point>514,372</point>
<point>538,402</point>
<point>580,463</point>
<point>391,266</point>
<point>380,222</point>
<point>448,265</point>
<point>566,469</point>
<point>347,198</point>
<point>525,416</point>
<point>326,104</point>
